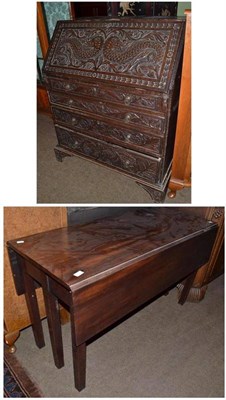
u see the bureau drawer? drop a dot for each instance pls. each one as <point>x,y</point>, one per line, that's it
<point>128,161</point>
<point>136,140</point>
<point>117,94</point>
<point>130,118</point>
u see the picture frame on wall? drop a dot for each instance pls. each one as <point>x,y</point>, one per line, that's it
<point>139,8</point>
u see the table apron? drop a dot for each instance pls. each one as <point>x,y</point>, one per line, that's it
<point>49,283</point>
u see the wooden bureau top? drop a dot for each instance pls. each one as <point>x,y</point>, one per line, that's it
<point>108,245</point>
<point>131,51</point>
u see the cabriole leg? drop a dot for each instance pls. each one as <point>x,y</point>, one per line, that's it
<point>10,339</point>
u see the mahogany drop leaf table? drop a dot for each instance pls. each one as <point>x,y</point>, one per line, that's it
<point>103,270</point>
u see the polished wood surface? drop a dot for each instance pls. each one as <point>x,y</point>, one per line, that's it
<point>114,94</point>
<point>136,236</point>
<point>43,104</point>
<point>27,221</point>
<point>41,27</point>
<point>132,258</point>
<point>42,96</point>
<point>181,168</point>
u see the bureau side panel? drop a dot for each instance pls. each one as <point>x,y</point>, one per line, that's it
<point>172,120</point>
<point>101,304</point>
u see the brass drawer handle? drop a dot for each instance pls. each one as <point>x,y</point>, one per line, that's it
<point>95,90</point>
<point>127,117</point>
<point>102,106</point>
<point>128,136</point>
<point>128,99</point>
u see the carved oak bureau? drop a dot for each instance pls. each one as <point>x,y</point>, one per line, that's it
<point>113,85</point>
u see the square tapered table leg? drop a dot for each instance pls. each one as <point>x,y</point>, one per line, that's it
<point>32,305</point>
<point>54,325</point>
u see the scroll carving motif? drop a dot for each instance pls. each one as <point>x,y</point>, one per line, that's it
<point>136,53</point>
<point>139,166</point>
<point>125,51</point>
<point>103,130</point>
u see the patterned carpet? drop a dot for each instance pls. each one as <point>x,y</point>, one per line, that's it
<point>17,382</point>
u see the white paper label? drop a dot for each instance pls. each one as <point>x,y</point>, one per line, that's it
<point>78,273</point>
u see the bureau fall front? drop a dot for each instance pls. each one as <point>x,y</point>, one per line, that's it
<point>113,86</point>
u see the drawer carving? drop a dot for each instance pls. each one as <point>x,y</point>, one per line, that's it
<point>143,99</point>
<point>106,109</point>
<point>102,130</point>
<point>141,166</point>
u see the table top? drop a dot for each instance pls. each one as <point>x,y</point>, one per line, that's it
<point>108,245</point>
